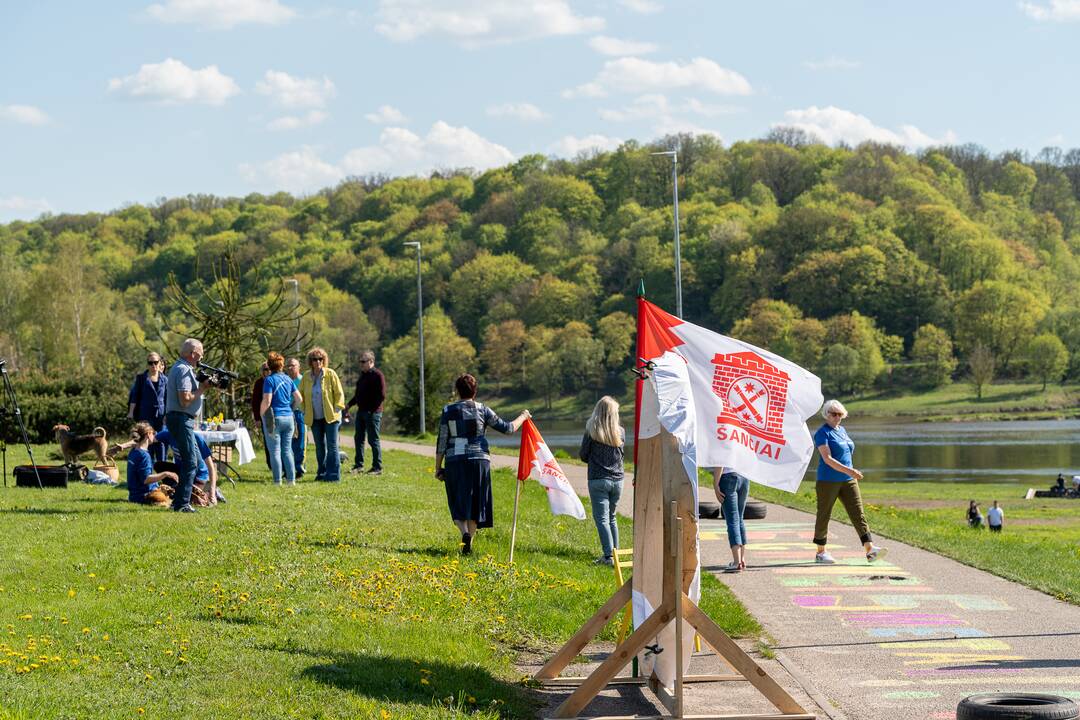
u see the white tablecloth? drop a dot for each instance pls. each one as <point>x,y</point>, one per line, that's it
<point>239,438</point>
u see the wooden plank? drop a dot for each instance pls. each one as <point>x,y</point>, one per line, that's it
<point>668,700</point>
<point>738,659</point>
<point>676,708</point>
<point>575,681</point>
<point>588,631</point>
<point>614,663</point>
<point>649,510</point>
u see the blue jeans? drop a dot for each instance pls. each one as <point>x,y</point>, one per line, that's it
<point>182,428</point>
<point>299,443</point>
<point>326,450</point>
<point>367,424</point>
<point>735,487</point>
<point>279,447</point>
<point>604,494</point>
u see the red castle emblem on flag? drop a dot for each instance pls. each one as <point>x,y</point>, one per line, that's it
<point>754,394</point>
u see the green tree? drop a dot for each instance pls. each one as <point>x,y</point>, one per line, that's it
<point>981,366</point>
<point>932,355</point>
<point>1047,358</point>
<point>446,356</point>
<point>842,368</point>
<point>481,283</point>
<point>616,333</point>
<point>999,315</point>
<point>859,333</point>
<point>580,356</point>
<point>503,352</point>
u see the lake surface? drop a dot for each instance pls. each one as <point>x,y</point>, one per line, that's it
<point>1028,452</point>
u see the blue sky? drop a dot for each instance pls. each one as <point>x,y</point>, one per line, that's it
<point>103,104</point>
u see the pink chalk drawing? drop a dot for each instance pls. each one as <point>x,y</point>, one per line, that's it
<point>884,619</point>
<point>808,601</point>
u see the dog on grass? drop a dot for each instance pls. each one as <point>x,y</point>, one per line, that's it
<point>72,445</point>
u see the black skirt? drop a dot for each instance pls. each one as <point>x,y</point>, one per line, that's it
<point>468,491</point>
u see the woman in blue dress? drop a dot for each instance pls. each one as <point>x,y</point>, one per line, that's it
<point>462,461</point>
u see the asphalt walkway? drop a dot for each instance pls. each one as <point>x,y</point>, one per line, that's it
<point>908,637</point>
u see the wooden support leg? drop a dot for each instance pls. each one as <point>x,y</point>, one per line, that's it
<point>739,660</point>
<point>588,631</point>
<point>615,662</point>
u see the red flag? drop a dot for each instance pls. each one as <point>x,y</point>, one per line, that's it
<point>536,460</point>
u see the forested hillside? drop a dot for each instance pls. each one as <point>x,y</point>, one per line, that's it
<point>868,265</point>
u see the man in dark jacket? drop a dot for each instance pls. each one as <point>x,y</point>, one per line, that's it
<point>368,399</point>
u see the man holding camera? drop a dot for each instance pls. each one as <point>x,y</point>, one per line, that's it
<point>183,402</point>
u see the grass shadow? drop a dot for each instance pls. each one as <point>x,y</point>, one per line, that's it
<point>428,682</point>
<point>38,511</point>
<point>207,617</point>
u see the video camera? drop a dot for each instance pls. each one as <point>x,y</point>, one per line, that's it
<point>217,377</point>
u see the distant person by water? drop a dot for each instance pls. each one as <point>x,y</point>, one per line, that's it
<point>974,515</point>
<point>837,478</point>
<point>995,517</point>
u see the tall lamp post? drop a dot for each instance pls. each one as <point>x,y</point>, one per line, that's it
<point>420,330</point>
<point>296,307</point>
<point>678,252</point>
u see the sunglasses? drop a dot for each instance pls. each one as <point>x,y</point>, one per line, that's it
<point>833,413</point>
<point>153,362</point>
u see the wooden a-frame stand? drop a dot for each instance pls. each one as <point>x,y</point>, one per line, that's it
<point>661,477</point>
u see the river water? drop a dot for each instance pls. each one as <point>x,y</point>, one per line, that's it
<point>1028,452</point>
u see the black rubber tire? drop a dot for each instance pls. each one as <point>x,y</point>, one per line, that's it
<point>708,510</point>
<point>754,510</point>
<point>1016,706</point>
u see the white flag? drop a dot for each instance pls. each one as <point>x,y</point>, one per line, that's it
<point>536,461</point>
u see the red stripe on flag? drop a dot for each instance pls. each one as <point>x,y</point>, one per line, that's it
<point>530,438</point>
<point>654,338</point>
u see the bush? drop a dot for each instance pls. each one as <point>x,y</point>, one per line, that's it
<point>82,403</point>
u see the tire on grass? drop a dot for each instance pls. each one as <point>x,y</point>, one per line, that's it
<point>708,509</point>
<point>1014,706</point>
<point>754,510</point>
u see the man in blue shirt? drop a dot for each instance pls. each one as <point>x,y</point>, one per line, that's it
<point>299,443</point>
<point>183,401</point>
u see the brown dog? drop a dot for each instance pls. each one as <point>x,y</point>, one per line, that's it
<point>72,445</point>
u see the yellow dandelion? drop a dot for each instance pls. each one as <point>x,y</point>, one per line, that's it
<point>91,575</point>
<point>424,681</point>
<point>105,637</point>
<point>71,592</point>
<point>384,714</point>
<point>86,631</point>
<point>27,616</point>
<point>148,676</point>
<point>101,588</point>
<point>140,710</point>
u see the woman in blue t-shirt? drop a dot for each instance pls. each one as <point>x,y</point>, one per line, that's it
<point>142,481</point>
<point>838,478</point>
<point>279,396</point>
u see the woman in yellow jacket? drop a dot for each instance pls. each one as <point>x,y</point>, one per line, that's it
<point>324,399</point>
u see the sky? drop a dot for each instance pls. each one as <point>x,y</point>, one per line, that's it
<point>104,104</point>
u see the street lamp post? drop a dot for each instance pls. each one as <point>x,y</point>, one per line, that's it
<point>296,308</point>
<point>678,253</point>
<point>420,330</point>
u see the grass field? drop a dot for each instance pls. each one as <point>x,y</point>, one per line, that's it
<point>317,601</point>
<point>957,401</point>
<point>1038,547</point>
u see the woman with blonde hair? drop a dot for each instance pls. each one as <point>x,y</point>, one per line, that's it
<point>278,398</point>
<point>323,400</point>
<point>602,449</point>
<point>144,485</point>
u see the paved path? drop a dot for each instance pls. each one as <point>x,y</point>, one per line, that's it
<point>907,638</point>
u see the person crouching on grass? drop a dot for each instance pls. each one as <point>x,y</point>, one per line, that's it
<point>143,483</point>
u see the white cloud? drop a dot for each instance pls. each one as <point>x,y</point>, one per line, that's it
<point>571,146</point>
<point>653,106</point>
<point>614,46</point>
<point>834,125</point>
<point>173,82</point>
<point>631,74</point>
<point>24,114</point>
<point>17,207</point>
<point>519,111</point>
<point>832,62</point>
<point>221,14</point>
<point>402,152</point>
<point>387,115</point>
<point>476,22</point>
<point>1056,11</point>
<point>292,122</point>
<point>289,91</point>
<point>644,7</point>
<point>398,152</point>
<point>299,171</point>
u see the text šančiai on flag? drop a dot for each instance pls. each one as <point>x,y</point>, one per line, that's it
<point>739,406</point>
<point>536,460</point>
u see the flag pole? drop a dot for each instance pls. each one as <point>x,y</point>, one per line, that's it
<point>513,526</point>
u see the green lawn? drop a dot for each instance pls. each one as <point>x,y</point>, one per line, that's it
<point>1039,545</point>
<point>319,601</point>
<point>957,400</point>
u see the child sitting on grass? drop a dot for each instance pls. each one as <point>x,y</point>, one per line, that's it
<point>143,483</point>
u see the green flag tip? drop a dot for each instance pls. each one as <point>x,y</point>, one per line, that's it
<point>641,287</point>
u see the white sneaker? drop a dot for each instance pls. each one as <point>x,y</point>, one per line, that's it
<point>876,553</point>
<point>825,558</point>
